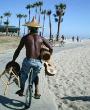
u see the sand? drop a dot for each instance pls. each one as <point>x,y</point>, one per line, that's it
<point>7,42</point>
<point>71,84</point>
<point>13,101</point>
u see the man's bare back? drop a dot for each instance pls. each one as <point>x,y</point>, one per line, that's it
<point>32,43</point>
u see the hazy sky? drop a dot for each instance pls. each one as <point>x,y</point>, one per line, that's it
<point>76,20</point>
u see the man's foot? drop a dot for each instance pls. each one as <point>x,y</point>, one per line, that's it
<point>20,92</point>
<point>37,96</point>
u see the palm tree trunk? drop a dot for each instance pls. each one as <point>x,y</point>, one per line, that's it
<point>58,28</point>
<point>50,27</point>
<point>19,27</point>
<point>39,18</point>
<point>7,28</point>
<point>39,15</point>
<point>1,21</point>
<point>29,14</point>
<point>36,13</point>
<point>24,27</point>
<point>43,25</point>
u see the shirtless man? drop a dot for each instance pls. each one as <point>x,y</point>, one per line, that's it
<point>32,43</point>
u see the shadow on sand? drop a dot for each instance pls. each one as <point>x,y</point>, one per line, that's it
<point>83,98</point>
<point>12,103</point>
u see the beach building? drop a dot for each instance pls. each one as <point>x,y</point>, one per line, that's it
<point>12,30</point>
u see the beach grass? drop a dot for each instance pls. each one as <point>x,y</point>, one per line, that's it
<point>4,41</point>
<point>7,42</point>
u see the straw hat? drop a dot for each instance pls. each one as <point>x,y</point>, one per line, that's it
<point>33,23</point>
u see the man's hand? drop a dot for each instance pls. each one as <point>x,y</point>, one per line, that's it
<point>13,61</point>
<point>47,44</point>
<point>51,51</point>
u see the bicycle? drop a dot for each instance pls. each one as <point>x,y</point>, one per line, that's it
<point>29,90</point>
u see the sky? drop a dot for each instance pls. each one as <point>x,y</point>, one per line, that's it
<point>76,21</point>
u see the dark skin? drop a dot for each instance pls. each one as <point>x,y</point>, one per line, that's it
<point>32,43</point>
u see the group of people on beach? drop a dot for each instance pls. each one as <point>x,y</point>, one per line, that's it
<point>77,39</point>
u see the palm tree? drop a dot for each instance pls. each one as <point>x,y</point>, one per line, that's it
<point>43,12</point>
<point>7,14</point>
<point>19,16</point>
<point>24,16</point>
<point>49,14</point>
<point>40,3</point>
<point>28,7</point>
<point>1,17</point>
<point>60,11</point>
<point>36,5</point>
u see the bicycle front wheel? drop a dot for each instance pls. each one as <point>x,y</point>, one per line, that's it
<point>28,97</point>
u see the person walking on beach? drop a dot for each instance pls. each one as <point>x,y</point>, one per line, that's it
<point>62,37</point>
<point>73,38</point>
<point>32,42</point>
<point>77,39</point>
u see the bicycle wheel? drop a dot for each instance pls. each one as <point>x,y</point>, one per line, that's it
<point>28,97</point>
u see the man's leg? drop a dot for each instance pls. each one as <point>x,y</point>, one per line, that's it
<point>36,82</point>
<point>35,78</point>
<point>23,77</point>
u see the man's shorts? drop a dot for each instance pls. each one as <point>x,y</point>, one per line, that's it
<point>26,65</point>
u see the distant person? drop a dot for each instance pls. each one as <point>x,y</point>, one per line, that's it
<point>77,39</point>
<point>52,37</point>
<point>62,37</point>
<point>73,38</point>
<point>32,42</point>
<point>61,43</point>
<point>40,33</point>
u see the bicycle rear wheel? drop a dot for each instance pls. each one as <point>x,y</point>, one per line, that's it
<point>28,97</point>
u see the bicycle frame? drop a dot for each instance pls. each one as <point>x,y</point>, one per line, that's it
<point>28,96</point>
<point>30,77</point>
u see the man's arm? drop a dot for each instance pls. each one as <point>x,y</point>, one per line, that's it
<point>17,51</point>
<point>47,44</point>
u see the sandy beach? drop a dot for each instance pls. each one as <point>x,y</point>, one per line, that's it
<point>71,84</point>
<point>65,25</point>
<point>70,87</point>
<point>7,42</point>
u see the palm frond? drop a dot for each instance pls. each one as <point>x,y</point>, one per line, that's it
<point>49,12</point>
<point>54,15</point>
<point>56,19</point>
